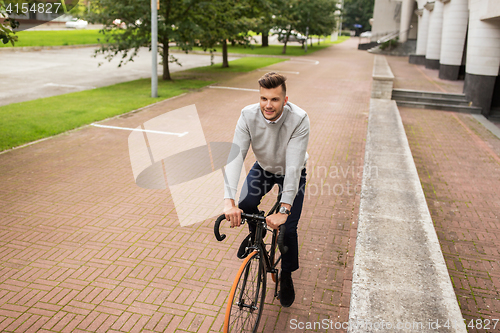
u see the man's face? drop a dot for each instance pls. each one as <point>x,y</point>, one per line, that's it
<point>272,102</point>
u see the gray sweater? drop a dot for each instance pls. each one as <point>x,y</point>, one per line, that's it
<point>280,148</point>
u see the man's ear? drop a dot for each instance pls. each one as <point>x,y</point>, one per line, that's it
<point>286,100</point>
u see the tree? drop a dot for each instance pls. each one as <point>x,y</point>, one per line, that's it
<point>176,23</point>
<point>227,20</point>
<point>358,12</point>
<point>80,9</point>
<point>264,20</point>
<point>318,16</point>
<point>286,18</point>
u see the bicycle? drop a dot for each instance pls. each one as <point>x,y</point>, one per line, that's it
<point>248,292</point>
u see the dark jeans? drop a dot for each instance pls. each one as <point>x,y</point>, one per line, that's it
<point>258,183</point>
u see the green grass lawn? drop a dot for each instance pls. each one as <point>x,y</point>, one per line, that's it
<point>292,49</point>
<point>83,37</point>
<point>55,38</point>
<point>33,120</point>
<point>40,118</point>
<point>246,64</point>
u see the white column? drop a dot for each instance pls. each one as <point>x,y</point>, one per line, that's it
<point>483,54</point>
<point>406,13</point>
<point>423,31</point>
<point>435,33</point>
<point>455,17</point>
<point>483,46</point>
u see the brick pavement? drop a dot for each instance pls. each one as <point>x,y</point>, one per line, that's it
<point>418,77</point>
<point>458,162</point>
<point>83,249</point>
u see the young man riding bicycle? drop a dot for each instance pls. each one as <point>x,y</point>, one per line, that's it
<point>279,133</point>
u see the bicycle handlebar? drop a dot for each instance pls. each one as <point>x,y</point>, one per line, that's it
<point>282,228</point>
<point>219,237</point>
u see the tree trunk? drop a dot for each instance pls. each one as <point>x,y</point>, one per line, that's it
<point>166,40</point>
<point>265,39</point>
<point>166,71</point>
<point>225,63</point>
<point>286,40</point>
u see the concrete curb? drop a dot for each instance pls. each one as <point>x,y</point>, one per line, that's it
<point>400,280</point>
<point>383,79</point>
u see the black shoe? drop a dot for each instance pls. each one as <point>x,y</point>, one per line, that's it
<point>287,293</point>
<point>243,251</point>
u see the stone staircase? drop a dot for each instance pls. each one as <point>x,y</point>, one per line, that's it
<point>434,100</point>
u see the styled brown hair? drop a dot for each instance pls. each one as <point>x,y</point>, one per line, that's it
<point>273,80</point>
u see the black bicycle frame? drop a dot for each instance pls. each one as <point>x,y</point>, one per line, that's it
<point>261,247</point>
<point>258,245</point>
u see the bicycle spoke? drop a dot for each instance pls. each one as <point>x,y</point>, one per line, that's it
<point>248,299</point>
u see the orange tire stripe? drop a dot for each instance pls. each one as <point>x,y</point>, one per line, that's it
<point>233,290</point>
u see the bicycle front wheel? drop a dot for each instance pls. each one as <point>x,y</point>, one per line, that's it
<point>246,299</point>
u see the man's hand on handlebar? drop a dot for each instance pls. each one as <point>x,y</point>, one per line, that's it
<point>233,213</point>
<point>277,219</point>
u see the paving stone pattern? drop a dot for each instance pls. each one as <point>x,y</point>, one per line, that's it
<point>458,161</point>
<point>83,249</point>
<point>460,173</point>
<point>417,77</point>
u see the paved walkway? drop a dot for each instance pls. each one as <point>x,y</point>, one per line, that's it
<point>458,162</point>
<point>83,249</point>
<point>420,78</point>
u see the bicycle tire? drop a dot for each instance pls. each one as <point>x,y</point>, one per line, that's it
<point>249,285</point>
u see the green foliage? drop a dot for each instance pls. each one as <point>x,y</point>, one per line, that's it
<point>176,23</point>
<point>298,15</point>
<point>358,12</point>
<point>263,20</point>
<point>80,9</point>
<point>318,15</point>
<point>203,23</point>
<point>390,44</point>
<point>227,20</point>
<point>7,35</point>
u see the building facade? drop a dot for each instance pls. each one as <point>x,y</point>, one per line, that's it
<point>460,38</point>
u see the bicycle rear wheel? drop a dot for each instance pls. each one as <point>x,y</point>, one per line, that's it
<point>246,299</point>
